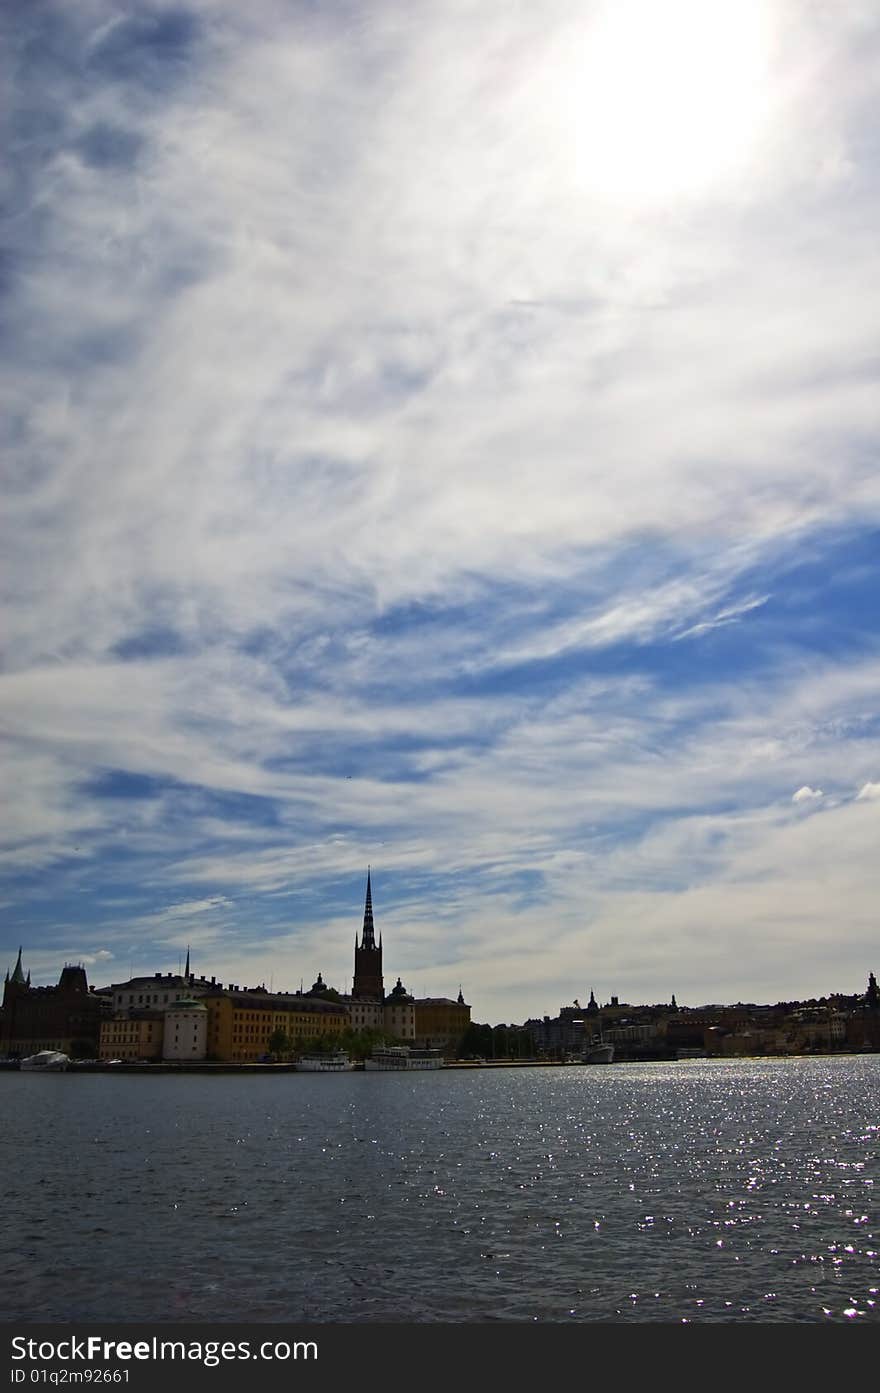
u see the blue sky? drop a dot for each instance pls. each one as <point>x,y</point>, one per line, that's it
<point>443,436</point>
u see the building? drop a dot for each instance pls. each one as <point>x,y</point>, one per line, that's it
<point>400,1013</point>
<point>158,990</point>
<point>367,1000</point>
<point>185,1034</point>
<point>66,1018</point>
<point>441,1023</point>
<point>241,1024</point>
<point>179,1016</point>
<point>137,1035</point>
<point>434,1022</point>
<point>221,1024</point>
<point>146,1022</point>
<point>863,1025</point>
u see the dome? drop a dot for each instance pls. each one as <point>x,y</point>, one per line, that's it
<point>398,996</point>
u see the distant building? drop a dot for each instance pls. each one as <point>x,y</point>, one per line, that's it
<point>435,1022</point>
<point>185,1034</point>
<point>367,1000</point>
<point>180,1016</point>
<point>143,1025</point>
<point>240,1024</point>
<point>863,1025</point>
<point>158,990</point>
<point>137,1035</point>
<point>66,1018</point>
<point>400,1013</point>
<point>440,1022</point>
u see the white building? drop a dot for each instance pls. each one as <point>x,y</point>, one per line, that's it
<point>186,1031</point>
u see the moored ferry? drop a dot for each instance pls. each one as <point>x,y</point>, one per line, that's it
<point>336,1063</point>
<point>402,1057</point>
<point>46,1061</point>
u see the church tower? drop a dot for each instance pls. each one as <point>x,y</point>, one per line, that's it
<point>17,985</point>
<point>368,957</point>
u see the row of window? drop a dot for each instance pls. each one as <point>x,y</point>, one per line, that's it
<point>145,999</point>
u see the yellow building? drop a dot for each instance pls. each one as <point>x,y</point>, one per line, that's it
<point>138,1035</point>
<point>441,1022</point>
<point>241,1024</point>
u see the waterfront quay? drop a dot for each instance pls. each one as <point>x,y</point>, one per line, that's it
<point>271,1067</point>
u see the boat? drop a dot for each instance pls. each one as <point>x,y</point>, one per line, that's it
<point>336,1063</point>
<point>46,1061</point>
<point>599,1053</point>
<point>402,1057</point>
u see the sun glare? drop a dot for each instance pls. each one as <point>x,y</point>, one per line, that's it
<point>666,97</point>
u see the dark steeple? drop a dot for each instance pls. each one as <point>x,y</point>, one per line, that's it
<point>368,957</point>
<point>186,969</point>
<point>17,973</point>
<point>368,939</point>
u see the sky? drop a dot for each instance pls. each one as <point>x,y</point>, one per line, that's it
<point>440,435</point>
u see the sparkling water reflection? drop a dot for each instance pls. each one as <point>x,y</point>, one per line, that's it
<point>700,1190</point>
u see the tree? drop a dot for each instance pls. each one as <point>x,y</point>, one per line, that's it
<point>279,1042</point>
<point>476,1041</point>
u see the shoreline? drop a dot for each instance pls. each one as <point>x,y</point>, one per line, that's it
<point>286,1067</point>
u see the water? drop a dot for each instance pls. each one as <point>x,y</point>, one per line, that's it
<point>700,1191</point>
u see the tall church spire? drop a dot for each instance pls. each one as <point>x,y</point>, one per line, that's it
<point>186,969</point>
<point>17,973</point>
<point>368,938</point>
<point>368,984</point>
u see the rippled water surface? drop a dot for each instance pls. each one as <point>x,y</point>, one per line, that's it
<point>701,1190</point>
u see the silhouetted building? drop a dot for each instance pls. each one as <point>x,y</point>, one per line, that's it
<point>441,1023</point>
<point>863,1024</point>
<point>319,991</point>
<point>66,1018</point>
<point>437,1022</point>
<point>368,984</point>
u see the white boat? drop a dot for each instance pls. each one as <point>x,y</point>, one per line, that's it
<point>402,1057</point>
<point>51,1061</point>
<point>600,1053</point>
<point>336,1063</point>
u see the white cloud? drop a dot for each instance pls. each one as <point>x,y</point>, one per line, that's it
<point>869,792</point>
<point>367,376</point>
<point>354,331</point>
<point>730,615</point>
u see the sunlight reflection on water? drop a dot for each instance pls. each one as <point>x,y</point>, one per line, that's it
<point>700,1190</point>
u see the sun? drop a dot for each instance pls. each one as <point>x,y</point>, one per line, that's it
<point>666,97</point>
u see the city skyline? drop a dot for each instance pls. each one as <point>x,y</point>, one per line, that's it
<point>348,988</point>
<point>445,442</point>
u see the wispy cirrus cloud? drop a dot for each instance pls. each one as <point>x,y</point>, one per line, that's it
<point>372,445</point>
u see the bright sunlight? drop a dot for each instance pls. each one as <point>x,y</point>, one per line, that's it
<point>666,97</point>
